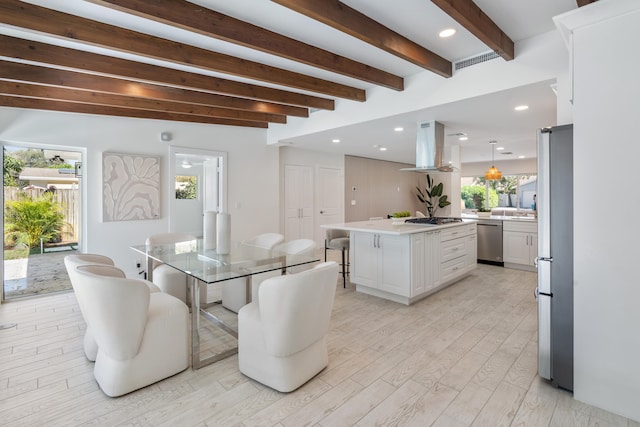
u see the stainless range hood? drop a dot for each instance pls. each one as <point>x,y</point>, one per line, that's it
<point>430,148</point>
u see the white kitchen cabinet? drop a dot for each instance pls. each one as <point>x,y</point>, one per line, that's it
<point>457,248</point>
<point>425,265</point>
<point>409,266</point>
<point>381,262</point>
<point>298,202</point>
<point>520,244</point>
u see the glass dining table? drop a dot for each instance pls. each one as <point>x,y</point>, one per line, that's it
<point>206,266</point>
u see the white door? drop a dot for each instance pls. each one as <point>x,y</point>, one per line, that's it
<point>330,199</point>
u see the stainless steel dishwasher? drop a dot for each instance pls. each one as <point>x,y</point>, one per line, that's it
<point>490,241</point>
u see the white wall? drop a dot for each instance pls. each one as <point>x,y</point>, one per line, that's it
<point>606,152</point>
<point>253,197</point>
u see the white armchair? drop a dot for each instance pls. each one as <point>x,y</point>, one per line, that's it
<point>281,341</point>
<point>73,261</point>
<point>168,279</point>
<point>234,293</point>
<point>142,336</point>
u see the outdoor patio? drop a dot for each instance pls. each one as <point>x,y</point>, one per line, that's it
<point>38,274</point>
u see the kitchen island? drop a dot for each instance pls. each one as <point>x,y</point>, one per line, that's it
<point>407,262</point>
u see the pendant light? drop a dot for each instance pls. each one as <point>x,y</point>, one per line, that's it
<point>493,173</point>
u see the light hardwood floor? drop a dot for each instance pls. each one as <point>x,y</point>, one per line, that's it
<point>464,356</point>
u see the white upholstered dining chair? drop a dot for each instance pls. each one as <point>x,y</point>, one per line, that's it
<point>142,336</point>
<point>282,340</point>
<point>168,279</point>
<point>75,260</point>
<point>234,292</point>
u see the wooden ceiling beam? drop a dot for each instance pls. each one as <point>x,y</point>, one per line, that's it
<point>74,107</point>
<point>13,47</point>
<point>350,21</point>
<point>70,79</point>
<point>28,90</point>
<point>195,18</point>
<point>471,17</point>
<point>585,2</point>
<point>71,27</point>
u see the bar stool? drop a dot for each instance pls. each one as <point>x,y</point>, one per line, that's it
<point>338,240</point>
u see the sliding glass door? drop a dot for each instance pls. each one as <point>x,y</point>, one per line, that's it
<point>42,218</point>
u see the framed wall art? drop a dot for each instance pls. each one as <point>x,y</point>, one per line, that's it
<point>130,187</point>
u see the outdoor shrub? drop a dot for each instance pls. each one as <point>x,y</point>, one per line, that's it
<point>29,220</point>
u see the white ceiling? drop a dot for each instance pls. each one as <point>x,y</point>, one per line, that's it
<point>486,118</point>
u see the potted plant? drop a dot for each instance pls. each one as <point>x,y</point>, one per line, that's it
<point>478,201</point>
<point>433,197</point>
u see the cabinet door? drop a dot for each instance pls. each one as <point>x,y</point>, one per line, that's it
<point>516,247</point>
<point>364,259</point>
<point>533,248</point>
<point>298,202</point>
<point>435,267</point>
<point>471,251</point>
<point>418,260</point>
<point>394,264</point>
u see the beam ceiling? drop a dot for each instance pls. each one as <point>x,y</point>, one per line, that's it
<point>36,18</point>
<point>56,56</point>
<point>350,21</point>
<point>74,80</point>
<point>191,17</point>
<point>471,17</point>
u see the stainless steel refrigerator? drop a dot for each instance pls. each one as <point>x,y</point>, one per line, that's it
<point>554,203</point>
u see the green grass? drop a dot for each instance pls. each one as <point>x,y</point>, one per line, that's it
<point>16,253</point>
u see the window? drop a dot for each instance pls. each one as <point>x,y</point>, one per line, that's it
<point>512,192</point>
<point>186,187</point>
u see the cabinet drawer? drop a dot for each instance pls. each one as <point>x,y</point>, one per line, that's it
<point>452,249</point>
<point>452,268</point>
<point>455,232</point>
<point>521,226</point>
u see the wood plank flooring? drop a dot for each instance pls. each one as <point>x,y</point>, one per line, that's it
<point>465,356</point>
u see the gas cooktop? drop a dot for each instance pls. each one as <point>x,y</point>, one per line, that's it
<point>436,220</point>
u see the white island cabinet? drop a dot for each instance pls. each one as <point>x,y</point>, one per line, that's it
<point>407,262</point>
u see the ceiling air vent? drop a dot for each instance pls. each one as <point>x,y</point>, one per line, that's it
<point>483,57</point>
<point>504,153</point>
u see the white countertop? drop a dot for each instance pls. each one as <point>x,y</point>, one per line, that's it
<point>393,226</point>
<point>502,218</point>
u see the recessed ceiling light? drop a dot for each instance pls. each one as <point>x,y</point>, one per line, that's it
<point>447,32</point>
<point>499,148</point>
<point>521,157</point>
<point>463,138</point>
<point>383,148</point>
<point>335,141</point>
<point>398,129</point>
<point>521,107</point>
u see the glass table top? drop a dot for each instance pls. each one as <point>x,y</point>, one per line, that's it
<point>208,266</point>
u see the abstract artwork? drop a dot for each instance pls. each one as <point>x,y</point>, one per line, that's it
<point>130,187</point>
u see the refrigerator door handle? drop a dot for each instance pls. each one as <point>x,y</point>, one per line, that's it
<point>542,258</point>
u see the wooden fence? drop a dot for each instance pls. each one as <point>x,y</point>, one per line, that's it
<point>67,199</point>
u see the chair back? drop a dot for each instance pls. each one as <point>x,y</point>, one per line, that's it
<point>305,247</point>
<point>336,234</point>
<point>168,238</point>
<point>296,309</point>
<point>72,261</point>
<point>165,238</point>
<point>116,309</point>
<point>265,240</point>
<point>297,247</point>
